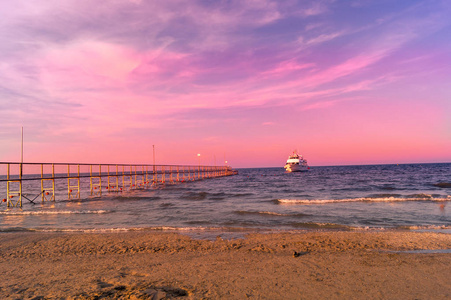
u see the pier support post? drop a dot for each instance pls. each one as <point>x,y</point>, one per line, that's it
<point>113,181</point>
<point>11,192</point>
<point>73,190</point>
<point>163,175</point>
<point>48,192</point>
<point>14,192</point>
<point>95,182</point>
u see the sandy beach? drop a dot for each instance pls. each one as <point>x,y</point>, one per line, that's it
<point>159,265</point>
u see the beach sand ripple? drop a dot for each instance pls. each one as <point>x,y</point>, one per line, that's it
<point>154,265</point>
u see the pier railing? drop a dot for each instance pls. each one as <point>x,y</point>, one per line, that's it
<point>40,180</point>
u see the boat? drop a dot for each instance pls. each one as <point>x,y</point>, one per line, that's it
<point>296,163</point>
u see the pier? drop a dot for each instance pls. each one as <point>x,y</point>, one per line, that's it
<point>51,181</point>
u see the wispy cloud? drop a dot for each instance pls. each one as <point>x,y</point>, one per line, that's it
<point>127,67</point>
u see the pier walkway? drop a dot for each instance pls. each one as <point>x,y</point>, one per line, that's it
<point>49,181</point>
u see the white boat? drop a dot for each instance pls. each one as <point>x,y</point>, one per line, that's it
<point>296,163</point>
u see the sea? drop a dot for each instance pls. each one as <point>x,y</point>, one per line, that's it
<point>351,198</point>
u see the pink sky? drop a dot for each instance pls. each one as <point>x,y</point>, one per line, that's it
<point>344,82</point>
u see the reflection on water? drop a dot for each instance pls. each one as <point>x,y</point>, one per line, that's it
<point>12,220</point>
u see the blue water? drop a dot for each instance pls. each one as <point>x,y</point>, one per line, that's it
<point>416,196</point>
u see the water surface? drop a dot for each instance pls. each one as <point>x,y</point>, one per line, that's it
<point>415,196</point>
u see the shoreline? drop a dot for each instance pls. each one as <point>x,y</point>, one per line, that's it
<point>212,233</point>
<point>167,265</point>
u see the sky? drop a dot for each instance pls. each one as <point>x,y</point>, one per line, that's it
<point>246,81</point>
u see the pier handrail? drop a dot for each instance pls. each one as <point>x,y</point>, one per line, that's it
<point>96,164</point>
<point>120,178</point>
<point>155,168</point>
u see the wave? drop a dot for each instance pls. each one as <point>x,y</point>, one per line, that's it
<point>196,229</point>
<point>443,185</point>
<point>71,230</point>
<point>380,196</point>
<point>317,225</point>
<point>187,229</point>
<point>127,229</point>
<point>134,198</point>
<point>199,223</point>
<point>426,227</point>
<point>56,212</point>
<point>218,196</point>
<point>17,229</point>
<point>295,227</point>
<point>241,195</point>
<point>83,230</point>
<point>416,197</point>
<point>213,196</point>
<point>196,196</point>
<point>388,188</point>
<point>268,213</point>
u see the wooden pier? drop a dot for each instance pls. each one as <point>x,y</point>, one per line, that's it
<point>31,181</point>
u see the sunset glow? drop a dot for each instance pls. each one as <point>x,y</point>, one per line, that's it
<point>344,82</point>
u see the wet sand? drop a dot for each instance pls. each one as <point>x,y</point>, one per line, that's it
<point>158,265</point>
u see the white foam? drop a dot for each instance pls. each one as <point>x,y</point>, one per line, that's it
<point>262,213</point>
<point>89,230</point>
<point>429,227</point>
<point>423,197</point>
<point>272,213</point>
<point>181,228</point>
<point>49,212</point>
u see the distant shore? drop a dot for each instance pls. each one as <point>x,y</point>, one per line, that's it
<point>154,265</point>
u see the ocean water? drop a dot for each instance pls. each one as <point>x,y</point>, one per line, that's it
<point>379,197</point>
